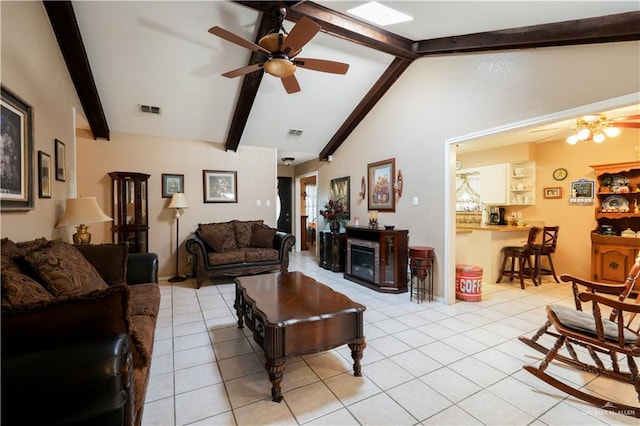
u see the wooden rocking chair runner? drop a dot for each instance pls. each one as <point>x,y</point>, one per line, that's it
<point>617,335</point>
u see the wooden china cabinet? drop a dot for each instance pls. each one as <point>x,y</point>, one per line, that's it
<point>613,246</point>
<point>130,208</point>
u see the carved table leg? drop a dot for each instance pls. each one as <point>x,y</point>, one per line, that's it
<point>356,354</point>
<point>239,314</point>
<point>276,370</point>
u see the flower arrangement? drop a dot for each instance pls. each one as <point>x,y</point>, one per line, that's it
<point>334,211</point>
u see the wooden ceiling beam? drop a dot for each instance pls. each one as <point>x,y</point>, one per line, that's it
<point>249,90</point>
<point>65,27</point>
<point>382,85</point>
<point>602,29</point>
<point>340,25</point>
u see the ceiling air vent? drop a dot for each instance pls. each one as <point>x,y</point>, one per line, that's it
<point>150,109</point>
<point>295,133</point>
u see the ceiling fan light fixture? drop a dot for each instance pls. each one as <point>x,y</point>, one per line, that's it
<point>612,132</point>
<point>280,67</point>
<point>583,134</point>
<point>598,137</point>
<point>287,161</point>
<point>573,139</point>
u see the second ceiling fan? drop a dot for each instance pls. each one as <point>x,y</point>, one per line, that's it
<point>280,50</point>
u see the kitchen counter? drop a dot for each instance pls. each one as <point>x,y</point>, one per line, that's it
<point>498,228</point>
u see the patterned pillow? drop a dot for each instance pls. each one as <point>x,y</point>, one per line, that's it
<point>20,289</point>
<point>220,236</point>
<point>262,236</point>
<point>10,255</point>
<point>244,230</point>
<point>64,270</point>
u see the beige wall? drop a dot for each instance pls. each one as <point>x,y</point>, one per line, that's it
<point>33,69</point>
<point>257,180</point>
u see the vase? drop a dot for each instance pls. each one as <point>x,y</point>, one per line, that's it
<point>334,226</point>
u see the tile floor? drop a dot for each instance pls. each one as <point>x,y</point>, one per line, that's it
<point>428,364</point>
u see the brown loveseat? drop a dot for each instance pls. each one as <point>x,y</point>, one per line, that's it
<point>237,248</point>
<point>78,326</point>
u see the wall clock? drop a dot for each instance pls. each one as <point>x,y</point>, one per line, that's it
<point>560,174</point>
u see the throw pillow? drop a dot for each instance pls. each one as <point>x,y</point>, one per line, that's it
<point>10,255</point>
<point>20,289</point>
<point>219,236</point>
<point>64,270</point>
<point>110,260</point>
<point>244,231</point>
<point>262,236</point>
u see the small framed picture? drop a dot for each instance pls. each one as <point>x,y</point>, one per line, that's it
<point>44,175</point>
<point>172,184</point>
<point>61,161</point>
<point>220,186</point>
<point>552,192</point>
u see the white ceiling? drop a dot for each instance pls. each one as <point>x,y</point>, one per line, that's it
<point>159,53</point>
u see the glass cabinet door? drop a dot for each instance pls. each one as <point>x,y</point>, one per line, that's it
<point>130,210</point>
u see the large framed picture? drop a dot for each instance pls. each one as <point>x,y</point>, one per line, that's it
<point>44,175</point>
<point>220,186</point>
<point>16,153</point>
<point>340,190</point>
<point>61,161</point>
<point>172,184</point>
<point>381,184</point>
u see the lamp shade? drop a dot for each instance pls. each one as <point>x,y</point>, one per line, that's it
<point>178,201</point>
<point>82,210</point>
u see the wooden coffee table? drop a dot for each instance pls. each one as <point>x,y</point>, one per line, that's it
<point>292,314</point>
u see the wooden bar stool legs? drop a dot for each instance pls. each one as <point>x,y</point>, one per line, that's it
<point>523,255</point>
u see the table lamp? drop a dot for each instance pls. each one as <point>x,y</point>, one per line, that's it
<point>78,213</point>
<point>178,202</point>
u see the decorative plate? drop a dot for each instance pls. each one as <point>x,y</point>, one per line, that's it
<point>613,181</point>
<point>615,203</point>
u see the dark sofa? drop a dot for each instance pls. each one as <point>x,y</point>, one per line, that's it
<point>78,326</point>
<point>238,247</point>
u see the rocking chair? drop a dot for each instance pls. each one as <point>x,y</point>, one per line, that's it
<point>617,335</point>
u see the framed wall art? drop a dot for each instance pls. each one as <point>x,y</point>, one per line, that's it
<point>61,161</point>
<point>582,192</point>
<point>381,185</point>
<point>220,186</point>
<point>340,190</point>
<point>172,184</point>
<point>552,192</point>
<point>16,153</point>
<point>44,175</point>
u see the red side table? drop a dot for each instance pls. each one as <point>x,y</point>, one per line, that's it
<point>420,265</point>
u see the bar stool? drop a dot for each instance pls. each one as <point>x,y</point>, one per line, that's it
<point>547,248</point>
<point>420,265</point>
<point>523,254</point>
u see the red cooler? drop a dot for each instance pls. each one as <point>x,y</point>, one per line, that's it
<point>468,283</point>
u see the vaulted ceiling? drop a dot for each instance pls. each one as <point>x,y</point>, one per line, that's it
<point>125,54</point>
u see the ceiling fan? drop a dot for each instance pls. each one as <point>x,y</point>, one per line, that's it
<point>596,127</point>
<point>280,50</point>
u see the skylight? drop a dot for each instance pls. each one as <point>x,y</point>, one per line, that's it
<point>379,14</point>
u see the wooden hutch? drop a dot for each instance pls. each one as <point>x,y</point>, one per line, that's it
<point>613,246</point>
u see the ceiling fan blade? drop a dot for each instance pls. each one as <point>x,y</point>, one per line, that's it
<point>229,36</point>
<point>627,118</point>
<point>290,84</point>
<point>244,70</point>
<point>304,30</point>
<point>627,125</point>
<point>547,130</point>
<point>322,65</point>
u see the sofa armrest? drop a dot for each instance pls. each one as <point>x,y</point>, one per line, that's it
<point>89,382</point>
<point>142,268</point>
<point>283,242</point>
<point>45,325</point>
<point>197,247</point>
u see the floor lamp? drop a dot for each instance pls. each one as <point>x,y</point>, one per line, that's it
<point>178,202</point>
